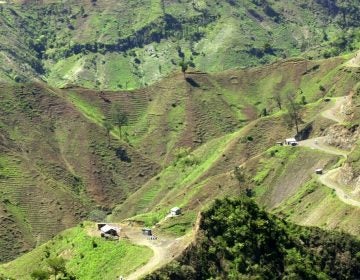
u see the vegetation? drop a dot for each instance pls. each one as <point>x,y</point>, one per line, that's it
<point>74,254</point>
<point>91,129</point>
<point>119,118</point>
<point>294,109</point>
<point>237,240</point>
<point>89,44</point>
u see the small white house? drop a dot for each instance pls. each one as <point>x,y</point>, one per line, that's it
<point>291,142</point>
<point>110,230</point>
<point>319,171</point>
<point>176,211</point>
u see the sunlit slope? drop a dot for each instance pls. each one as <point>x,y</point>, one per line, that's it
<point>87,256</point>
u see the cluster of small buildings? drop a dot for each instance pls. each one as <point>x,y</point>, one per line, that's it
<point>108,231</point>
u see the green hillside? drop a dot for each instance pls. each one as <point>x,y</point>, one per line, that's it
<point>86,257</point>
<point>184,138</point>
<point>125,45</point>
<point>117,111</point>
<point>240,241</point>
<point>56,168</point>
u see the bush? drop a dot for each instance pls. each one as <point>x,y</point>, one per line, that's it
<point>40,274</point>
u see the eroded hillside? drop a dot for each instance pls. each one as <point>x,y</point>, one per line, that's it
<point>193,137</point>
<point>56,167</point>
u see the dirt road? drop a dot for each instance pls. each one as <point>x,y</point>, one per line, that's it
<point>165,249</point>
<point>319,144</point>
<point>354,62</point>
<point>334,113</point>
<point>329,178</point>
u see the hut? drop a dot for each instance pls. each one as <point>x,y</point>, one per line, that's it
<point>319,171</point>
<point>176,211</point>
<point>147,231</point>
<point>291,142</point>
<point>108,230</point>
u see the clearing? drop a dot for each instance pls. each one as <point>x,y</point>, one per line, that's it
<point>165,248</point>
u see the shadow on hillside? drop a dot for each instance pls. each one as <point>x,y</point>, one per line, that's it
<point>192,82</point>
<point>122,155</point>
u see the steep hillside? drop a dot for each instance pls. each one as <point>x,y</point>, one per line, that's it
<point>190,139</point>
<point>237,240</point>
<point>189,111</point>
<point>56,168</point>
<point>349,136</point>
<point>124,45</point>
<point>275,174</point>
<point>117,111</point>
<point>185,137</point>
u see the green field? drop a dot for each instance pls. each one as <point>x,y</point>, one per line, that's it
<point>86,257</point>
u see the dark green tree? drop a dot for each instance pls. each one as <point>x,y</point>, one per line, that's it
<point>40,274</point>
<point>277,98</point>
<point>294,111</point>
<point>239,174</point>
<point>184,67</point>
<point>119,118</point>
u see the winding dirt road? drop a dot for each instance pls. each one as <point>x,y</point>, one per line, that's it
<point>165,250</point>
<point>329,178</point>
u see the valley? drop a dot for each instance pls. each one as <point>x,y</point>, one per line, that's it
<point>208,169</point>
<point>117,119</point>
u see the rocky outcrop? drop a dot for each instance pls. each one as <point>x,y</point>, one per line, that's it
<point>349,177</point>
<point>342,137</point>
<point>346,137</point>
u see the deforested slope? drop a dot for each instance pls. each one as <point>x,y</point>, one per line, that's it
<point>56,167</point>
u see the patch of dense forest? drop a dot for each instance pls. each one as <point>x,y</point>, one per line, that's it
<point>238,240</point>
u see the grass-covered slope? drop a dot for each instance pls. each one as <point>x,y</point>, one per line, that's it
<point>86,256</point>
<point>198,175</point>
<point>237,240</point>
<point>184,138</point>
<point>124,45</point>
<point>187,112</point>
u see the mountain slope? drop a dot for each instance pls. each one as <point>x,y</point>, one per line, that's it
<point>122,45</point>
<point>207,172</point>
<point>53,145</point>
<point>56,168</point>
<point>238,240</point>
